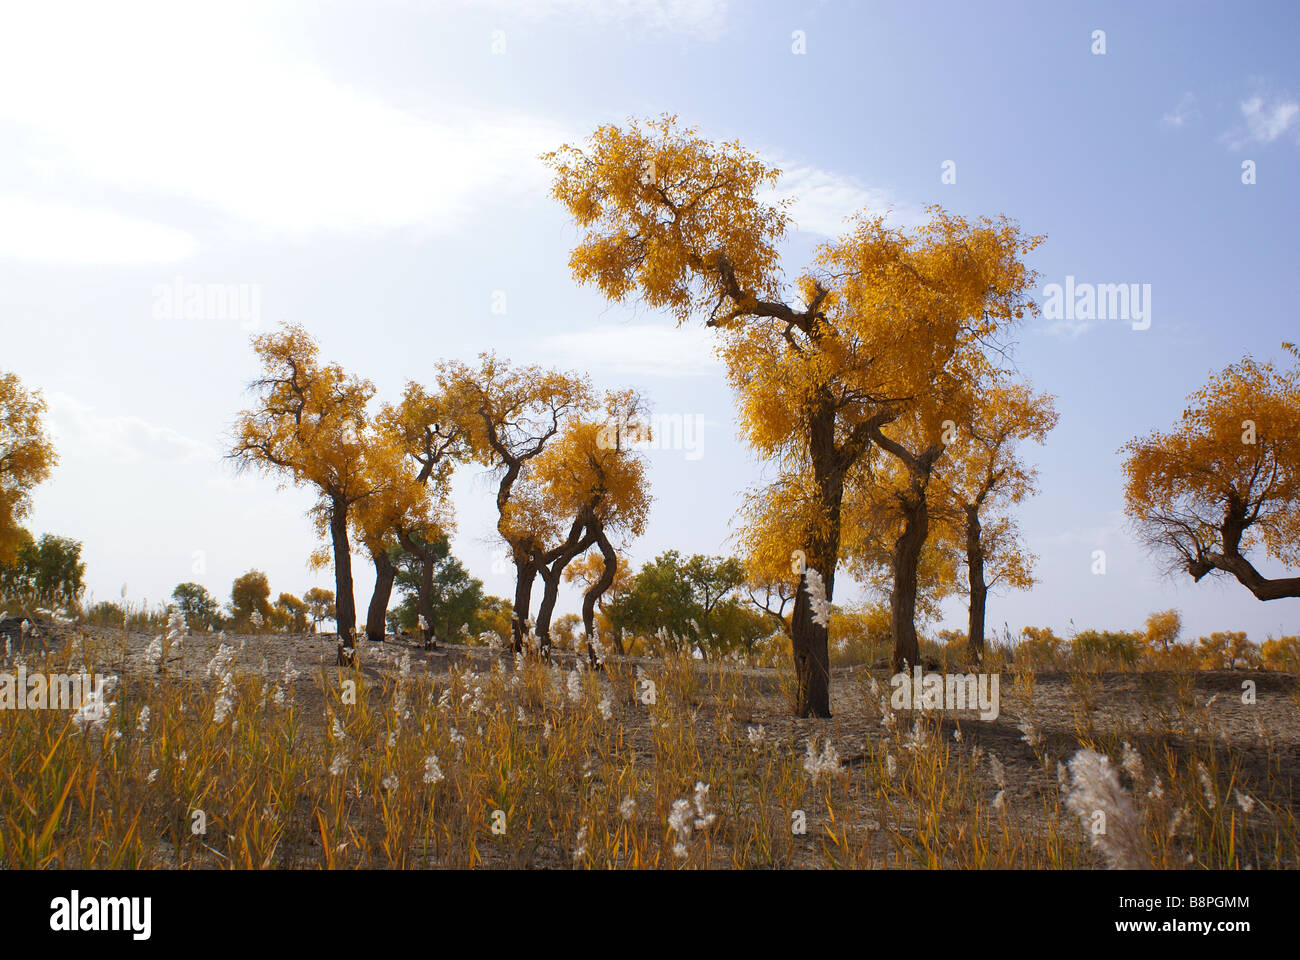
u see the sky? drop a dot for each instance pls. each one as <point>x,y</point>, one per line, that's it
<point>371,171</point>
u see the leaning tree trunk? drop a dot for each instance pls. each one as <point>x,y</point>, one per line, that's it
<point>525,573</point>
<point>345,609</point>
<point>551,566</point>
<point>907,564</point>
<point>979,590</point>
<point>378,612</point>
<point>596,591</point>
<point>550,593</point>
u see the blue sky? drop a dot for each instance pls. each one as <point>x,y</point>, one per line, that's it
<point>371,172</point>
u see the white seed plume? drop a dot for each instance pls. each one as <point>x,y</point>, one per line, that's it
<point>1097,788</point>
<point>827,763</point>
<point>1207,784</point>
<point>821,607</point>
<point>1032,735</point>
<point>580,844</point>
<point>432,772</point>
<point>999,771</point>
<point>225,700</point>
<point>1131,761</point>
<point>93,714</point>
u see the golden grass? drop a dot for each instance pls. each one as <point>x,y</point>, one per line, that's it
<point>538,765</point>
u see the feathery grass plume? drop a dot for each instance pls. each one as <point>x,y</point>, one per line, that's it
<point>432,772</point>
<point>225,700</point>
<point>1031,734</point>
<point>827,763</point>
<point>821,607</point>
<point>1131,761</point>
<point>627,809</point>
<point>580,845</point>
<point>999,771</point>
<point>1245,801</point>
<point>95,710</point>
<point>679,821</point>
<point>918,738</point>
<point>1097,789</point>
<point>891,766</point>
<point>755,735</point>
<point>1207,784</point>
<point>704,818</point>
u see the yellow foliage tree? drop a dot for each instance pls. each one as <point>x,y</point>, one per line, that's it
<point>982,481</point>
<point>26,458</point>
<point>883,322</point>
<point>310,428</point>
<point>604,575</point>
<point>401,511</point>
<point>509,415</point>
<point>1162,630</point>
<point>586,487</point>
<point>434,434</point>
<point>1225,480</point>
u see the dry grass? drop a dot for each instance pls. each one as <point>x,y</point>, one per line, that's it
<point>538,763</point>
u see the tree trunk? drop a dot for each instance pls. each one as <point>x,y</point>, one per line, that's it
<point>596,591</point>
<point>550,593</point>
<point>525,573</point>
<point>376,625</point>
<point>978,588</point>
<point>424,593</point>
<point>345,609</point>
<point>810,641</point>
<point>907,563</point>
<point>424,600</point>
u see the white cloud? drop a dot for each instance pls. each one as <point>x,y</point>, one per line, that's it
<point>657,350</point>
<point>38,230</point>
<point>193,102</point>
<point>1068,329</point>
<point>1105,533</point>
<point>1185,113</point>
<point>1266,118</point>
<point>705,18</point>
<point>822,200</point>
<point>81,432</point>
